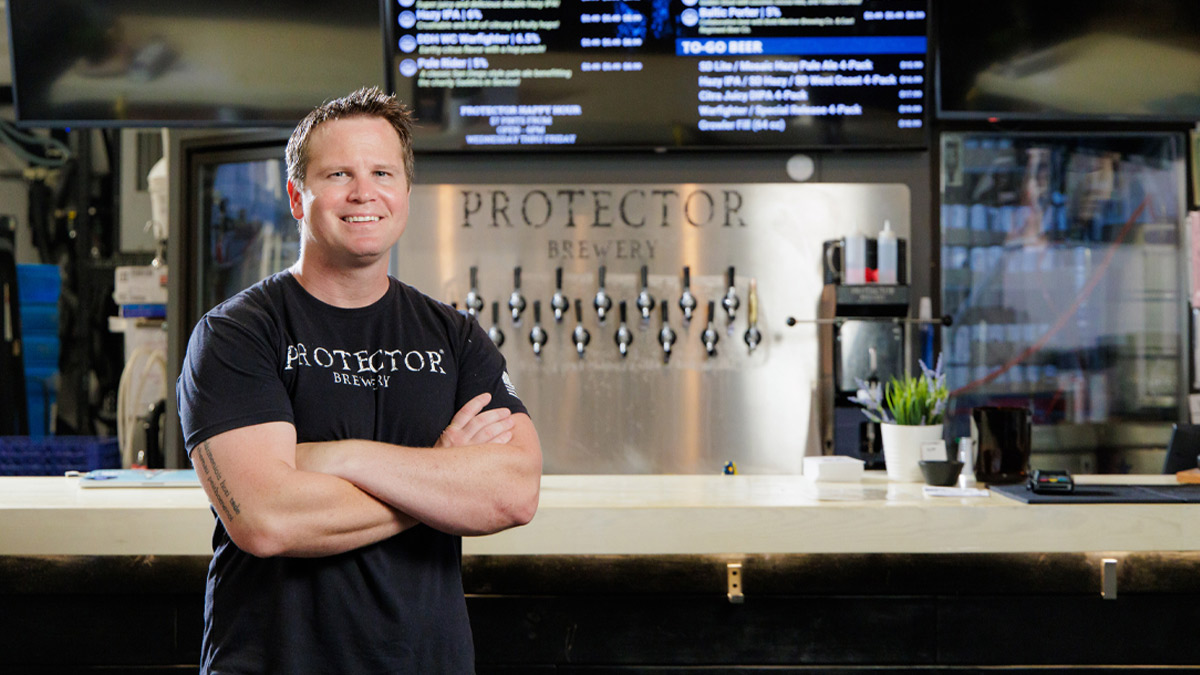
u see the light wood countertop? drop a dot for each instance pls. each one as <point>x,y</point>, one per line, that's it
<point>647,514</point>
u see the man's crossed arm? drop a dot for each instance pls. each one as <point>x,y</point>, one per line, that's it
<point>279,498</point>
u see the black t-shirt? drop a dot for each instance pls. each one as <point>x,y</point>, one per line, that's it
<point>395,371</point>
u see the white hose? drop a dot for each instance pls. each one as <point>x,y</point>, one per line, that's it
<point>127,406</point>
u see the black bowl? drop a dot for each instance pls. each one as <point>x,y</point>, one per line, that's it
<point>941,473</point>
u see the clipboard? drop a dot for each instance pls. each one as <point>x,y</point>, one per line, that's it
<point>136,478</point>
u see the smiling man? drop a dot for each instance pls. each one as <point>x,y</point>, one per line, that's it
<point>348,430</point>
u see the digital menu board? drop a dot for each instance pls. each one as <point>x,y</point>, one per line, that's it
<point>703,74</point>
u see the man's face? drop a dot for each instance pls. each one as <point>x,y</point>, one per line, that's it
<point>354,202</point>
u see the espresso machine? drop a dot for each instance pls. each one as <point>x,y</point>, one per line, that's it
<point>861,334</point>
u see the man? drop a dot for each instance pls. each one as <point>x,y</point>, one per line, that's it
<point>348,431</point>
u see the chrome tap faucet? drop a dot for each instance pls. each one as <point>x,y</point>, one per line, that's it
<point>537,336</point>
<point>710,337</point>
<point>645,301</point>
<point>474,302</point>
<point>580,335</point>
<point>559,301</point>
<point>624,336</point>
<point>730,302</point>
<point>494,332</point>
<point>753,336</point>
<point>603,302</point>
<point>516,301</point>
<point>666,336</point>
<point>687,301</point>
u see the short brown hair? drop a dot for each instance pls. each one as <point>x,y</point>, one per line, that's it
<point>366,102</point>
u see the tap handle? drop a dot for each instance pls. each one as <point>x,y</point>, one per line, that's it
<point>601,275</point>
<point>473,303</point>
<point>558,279</point>
<point>665,319</point>
<point>517,278</point>
<point>495,312</point>
<point>687,277</point>
<point>730,302</point>
<point>622,311</point>
<point>537,336</point>
<point>578,311</point>
<point>709,335</point>
<point>645,277</point>
<point>752,302</point>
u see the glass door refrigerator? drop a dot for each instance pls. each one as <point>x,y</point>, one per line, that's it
<point>234,227</point>
<point>1062,265</point>
<point>241,225</point>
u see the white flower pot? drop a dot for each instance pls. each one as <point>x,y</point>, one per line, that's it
<point>902,449</point>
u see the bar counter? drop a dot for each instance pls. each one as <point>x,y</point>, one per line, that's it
<point>619,575</point>
<point>647,515</point>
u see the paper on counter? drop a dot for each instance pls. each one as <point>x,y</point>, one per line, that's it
<point>951,491</point>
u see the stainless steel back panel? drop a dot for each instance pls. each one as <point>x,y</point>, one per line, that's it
<point>607,414</point>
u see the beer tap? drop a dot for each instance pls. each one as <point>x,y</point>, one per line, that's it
<point>474,302</point>
<point>710,337</point>
<point>516,301</point>
<point>730,301</point>
<point>687,301</point>
<point>603,302</point>
<point>753,336</point>
<point>624,336</point>
<point>666,336</point>
<point>645,301</point>
<point>494,332</point>
<point>559,301</point>
<point>580,335</point>
<point>537,336</point>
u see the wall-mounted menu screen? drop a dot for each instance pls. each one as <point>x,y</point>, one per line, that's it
<point>1069,59</point>
<point>189,62</point>
<point>576,74</point>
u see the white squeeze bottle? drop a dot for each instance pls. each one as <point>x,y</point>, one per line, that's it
<point>854,252</point>
<point>887,255</point>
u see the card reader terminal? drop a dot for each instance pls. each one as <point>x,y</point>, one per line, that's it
<point>1051,482</point>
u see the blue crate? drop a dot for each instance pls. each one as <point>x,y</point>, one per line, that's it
<point>41,392</point>
<point>41,351</point>
<point>55,455</point>
<point>39,318</point>
<point>38,283</point>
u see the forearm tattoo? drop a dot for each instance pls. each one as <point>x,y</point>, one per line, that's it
<point>211,474</point>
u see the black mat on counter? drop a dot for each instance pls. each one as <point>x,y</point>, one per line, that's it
<point>1107,494</point>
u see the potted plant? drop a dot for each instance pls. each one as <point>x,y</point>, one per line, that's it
<point>909,411</point>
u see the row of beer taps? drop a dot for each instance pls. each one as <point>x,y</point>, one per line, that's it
<point>603,303</point>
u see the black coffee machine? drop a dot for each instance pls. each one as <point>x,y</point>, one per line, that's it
<point>861,332</point>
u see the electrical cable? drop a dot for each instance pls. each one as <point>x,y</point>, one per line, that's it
<point>18,140</point>
<point>33,139</point>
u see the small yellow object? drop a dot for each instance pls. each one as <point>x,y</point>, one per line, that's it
<point>730,468</point>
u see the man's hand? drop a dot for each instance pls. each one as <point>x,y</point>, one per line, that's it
<point>482,476</point>
<point>468,427</point>
<point>472,427</point>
